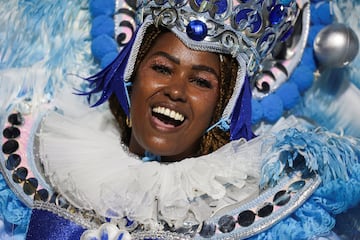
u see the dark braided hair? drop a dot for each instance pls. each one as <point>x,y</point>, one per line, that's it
<point>211,140</point>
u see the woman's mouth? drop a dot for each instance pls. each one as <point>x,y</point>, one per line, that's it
<point>167,116</point>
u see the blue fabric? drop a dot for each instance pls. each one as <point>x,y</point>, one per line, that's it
<point>14,215</point>
<point>110,80</point>
<point>45,225</point>
<point>240,124</point>
<point>274,108</point>
<point>289,94</point>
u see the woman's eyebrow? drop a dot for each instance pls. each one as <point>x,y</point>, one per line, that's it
<point>207,69</point>
<point>195,67</point>
<point>168,56</point>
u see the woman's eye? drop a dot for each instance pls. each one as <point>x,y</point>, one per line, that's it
<point>202,82</point>
<point>161,69</point>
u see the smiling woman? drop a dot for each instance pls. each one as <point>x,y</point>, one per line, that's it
<point>177,90</point>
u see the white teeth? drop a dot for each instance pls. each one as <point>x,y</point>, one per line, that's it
<point>169,113</point>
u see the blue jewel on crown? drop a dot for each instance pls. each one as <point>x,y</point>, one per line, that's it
<point>212,6</point>
<point>248,18</point>
<point>196,30</point>
<point>277,14</point>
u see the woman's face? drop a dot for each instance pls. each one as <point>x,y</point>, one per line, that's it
<point>174,94</point>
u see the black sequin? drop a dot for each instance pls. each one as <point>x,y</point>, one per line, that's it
<point>41,195</point>
<point>226,224</point>
<point>281,198</point>
<point>11,132</point>
<point>265,210</point>
<point>15,119</point>
<point>20,174</point>
<point>295,186</point>
<point>30,186</point>
<point>207,230</point>
<point>10,146</point>
<point>246,218</point>
<point>13,161</point>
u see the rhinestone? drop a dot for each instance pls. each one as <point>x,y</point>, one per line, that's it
<point>11,132</point>
<point>295,186</point>
<point>287,34</point>
<point>30,186</point>
<point>226,224</point>
<point>13,162</point>
<point>207,230</point>
<point>281,198</point>
<point>246,218</point>
<point>196,30</point>
<point>277,14</point>
<point>20,174</point>
<point>265,210</point>
<point>15,119</point>
<point>10,146</point>
<point>41,195</point>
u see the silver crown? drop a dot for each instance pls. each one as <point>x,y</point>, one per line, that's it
<point>237,27</point>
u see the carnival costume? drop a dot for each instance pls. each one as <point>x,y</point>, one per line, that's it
<point>66,174</point>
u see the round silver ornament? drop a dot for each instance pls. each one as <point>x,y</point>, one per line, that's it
<point>336,46</point>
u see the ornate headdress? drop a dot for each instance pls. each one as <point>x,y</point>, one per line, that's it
<point>247,30</point>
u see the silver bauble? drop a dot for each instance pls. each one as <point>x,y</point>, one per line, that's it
<point>336,46</point>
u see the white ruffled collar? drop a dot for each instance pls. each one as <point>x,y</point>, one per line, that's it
<point>84,162</point>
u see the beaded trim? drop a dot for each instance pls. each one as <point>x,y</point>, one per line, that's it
<point>269,208</point>
<point>16,164</point>
<point>84,220</point>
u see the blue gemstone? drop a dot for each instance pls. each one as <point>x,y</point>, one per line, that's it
<point>277,14</point>
<point>287,34</point>
<point>207,230</point>
<point>221,6</point>
<point>196,30</point>
<point>249,19</point>
<point>13,162</point>
<point>242,15</point>
<point>226,223</point>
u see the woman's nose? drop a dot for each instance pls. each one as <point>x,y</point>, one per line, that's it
<point>176,89</point>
